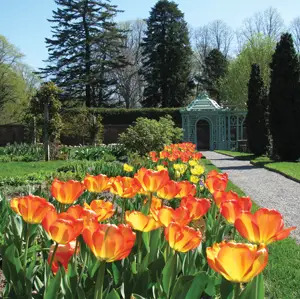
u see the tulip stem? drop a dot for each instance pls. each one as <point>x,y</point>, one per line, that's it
<point>74,255</point>
<point>234,233</point>
<point>52,257</point>
<point>236,290</point>
<point>27,226</point>
<point>123,210</point>
<point>99,282</point>
<point>139,244</point>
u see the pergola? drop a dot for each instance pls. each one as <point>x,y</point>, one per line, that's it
<point>211,126</point>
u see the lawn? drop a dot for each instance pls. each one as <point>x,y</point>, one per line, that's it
<point>12,169</point>
<point>282,274</point>
<point>289,169</point>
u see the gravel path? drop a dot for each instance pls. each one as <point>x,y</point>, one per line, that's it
<point>268,189</point>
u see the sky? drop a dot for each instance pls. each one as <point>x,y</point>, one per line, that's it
<point>24,22</point>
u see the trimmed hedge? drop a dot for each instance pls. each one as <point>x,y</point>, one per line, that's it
<point>117,116</point>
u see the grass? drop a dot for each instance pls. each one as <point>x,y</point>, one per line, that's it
<point>12,169</point>
<point>282,274</point>
<point>289,169</point>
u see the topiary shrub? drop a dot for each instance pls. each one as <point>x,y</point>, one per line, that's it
<point>150,135</point>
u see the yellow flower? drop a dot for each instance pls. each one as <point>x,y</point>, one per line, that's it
<point>194,179</point>
<point>197,170</point>
<point>127,168</point>
<point>180,167</point>
<point>161,167</point>
<point>193,162</point>
<point>177,174</point>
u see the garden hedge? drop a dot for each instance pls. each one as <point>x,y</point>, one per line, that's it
<point>117,116</point>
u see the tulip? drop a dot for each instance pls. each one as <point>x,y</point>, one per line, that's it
<point>98,183</point>
<point>182,238</point>
<point>103,209</point>
<point>153,156</point>
<point>181,215</point>
<point>181,168</point>
<point>125,187</point>
<point>62,256</point>
<point>197,156</point>
<point>161,167</point>
<point>66,192</point>
<point>31,208</point>
<point>62,228</point>
<point>156,205</point>
<point>197,170</point>
<point>127,168</point>
<point>222,196</point>
<point>193,162</point>
<point>216,182</point>
<point>186,189</point>
<point>264,226</point>
<point>194,179</point>
<point>237,262</point>
<point>197,207</point>
<point>151,180</point>
<point>139,221</point>
<point>109,242</point>
<point>78,212</point>
<point>168,191</point>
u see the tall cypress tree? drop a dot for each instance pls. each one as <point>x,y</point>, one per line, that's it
<point>84,47</point>
<point>284,100</point>
<point>167,55</point>
<point>257,133</point>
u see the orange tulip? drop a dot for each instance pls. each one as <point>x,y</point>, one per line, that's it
<point>97,183</point>
<point>156,205</point>
<point>153,156</point>
<point>125,187</point>
<point>32,208</point>
<point>182,238</point>
<point>264,226</point>
<point>169,190</point>
<point>66,192</point>
<point>151,180</point>
<point>197,207</point>
<point>62,256</point>
<point>62,228</point>
<point>197,156</point>
<point>181,216</point>
<point>216,182</point>
<point>237,262</point>
<point>103,209</point>
<point>186,189</point>
<point>109,242</point>
<point>78,212</point>
<point>139,221</point>
<point>222,196</point>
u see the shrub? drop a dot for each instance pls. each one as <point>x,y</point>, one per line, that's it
<point>22,152</point>
<point>150,135</point>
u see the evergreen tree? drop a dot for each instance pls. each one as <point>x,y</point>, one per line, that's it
<point>257,133</point>
<point>84,48</point>
<point>167,57</point>
<point>284,100</point>
<point>215,68</point>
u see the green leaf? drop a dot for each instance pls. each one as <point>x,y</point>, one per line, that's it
<point>116,273</point>
<point>255,289</point>
<point>53,287</point>
<point>113,295</point>
<point>146,239</point>
<point>226,289</point>
<point>198,286</point>
<point>169,273</point>
<point>136,296</point>
<point>181,286</point>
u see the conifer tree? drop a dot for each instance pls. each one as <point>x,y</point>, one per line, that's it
<point>84,47</point>
<point>167,56</point>
<point>284,100</point>
<point>257,133</point>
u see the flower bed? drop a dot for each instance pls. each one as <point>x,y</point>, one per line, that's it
<point>167,232</point>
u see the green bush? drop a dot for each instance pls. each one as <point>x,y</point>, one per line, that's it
<point>150,135</point>
<point>116,116</point>
<point>22,152</point>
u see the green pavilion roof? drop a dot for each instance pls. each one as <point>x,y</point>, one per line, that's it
<point>202,102</point>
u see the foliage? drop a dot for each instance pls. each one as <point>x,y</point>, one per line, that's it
<point>150,134</point>
<point>233,87</point>
<point>124,116</point>
<point>166,57</point>
<point>215,68</point>
<point>257,133</point>
<point>85,46</point>
<point>284,99</point>
<point>46,96</point>
<point>86,125</point>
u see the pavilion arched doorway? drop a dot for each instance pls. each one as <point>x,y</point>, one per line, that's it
<point>203,135</point>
